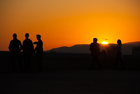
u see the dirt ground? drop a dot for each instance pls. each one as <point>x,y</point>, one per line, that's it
<point>71,82</point>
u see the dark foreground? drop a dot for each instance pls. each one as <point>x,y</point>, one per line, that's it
<point>71,82</point>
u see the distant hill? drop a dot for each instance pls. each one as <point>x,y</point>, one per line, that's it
<point>84,48</point>
<point>127,47</point>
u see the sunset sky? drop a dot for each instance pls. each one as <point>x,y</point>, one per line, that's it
<point>69,22</point>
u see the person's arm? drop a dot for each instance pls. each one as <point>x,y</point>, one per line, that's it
<point>90,47</point>
<point>32,47</point>
<point>9,46</point>
<point>35,42</point>
<point>36,46</point>
<point>98,49</point>
<point>21,47</point>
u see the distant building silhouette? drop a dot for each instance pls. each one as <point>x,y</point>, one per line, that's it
<point>15,48</point>
<point>27,52</point>
<point>119,54</point>
<point>39,51</point>
<point>95,51</point>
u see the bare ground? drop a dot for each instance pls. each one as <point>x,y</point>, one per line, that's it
<point>71,82</point>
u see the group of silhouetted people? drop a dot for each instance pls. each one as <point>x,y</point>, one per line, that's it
<point>95,52</point>
<point>15,48</point>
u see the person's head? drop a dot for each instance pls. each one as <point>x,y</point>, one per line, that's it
<point>38,37</point>
<point>95,40</point>
<point>119,41</point>
<point>27,35</point>
<point>15,36</point>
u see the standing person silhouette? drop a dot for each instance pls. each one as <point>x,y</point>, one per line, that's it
<point>15,48</point>
<point>119,54</point>
<point>39,51</point>
<point>95,51</point>
<point>27,52</point>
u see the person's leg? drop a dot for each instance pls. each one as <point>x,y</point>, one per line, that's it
<point>20,62</point>
<point>12,56</point>
<point>114,67</point>
<point>99,65</point>
<point>121,61</point>
<point>93,62</point>
<point>39,61</point>
<point>29,62</point>
<point>118,55</point>
<point>25,62</point>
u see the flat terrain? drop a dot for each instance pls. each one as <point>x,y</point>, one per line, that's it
<point>65,61</point>
<point>71,82</point>
<point>71,74</point>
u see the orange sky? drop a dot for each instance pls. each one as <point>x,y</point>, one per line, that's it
<point>69,22</point>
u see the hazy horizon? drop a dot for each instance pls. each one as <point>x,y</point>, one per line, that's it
<point>101,45</point>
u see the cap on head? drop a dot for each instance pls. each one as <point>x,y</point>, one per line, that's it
<point>119,41</point>
<point>95,39</point>
<point>27,35</point>
<point>14,35</point>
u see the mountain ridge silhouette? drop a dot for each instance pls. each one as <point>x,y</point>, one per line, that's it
<point>84,48</point>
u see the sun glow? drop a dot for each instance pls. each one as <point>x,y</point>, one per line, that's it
<point>104,43</point>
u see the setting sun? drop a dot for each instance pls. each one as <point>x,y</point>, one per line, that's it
<point>104,43</point>
<point>70,22</point>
